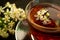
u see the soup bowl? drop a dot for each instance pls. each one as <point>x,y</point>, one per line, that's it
<point>53,8</point>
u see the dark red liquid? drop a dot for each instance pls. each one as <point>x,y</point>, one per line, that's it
<point>38,35</point>
<point>52,15</point>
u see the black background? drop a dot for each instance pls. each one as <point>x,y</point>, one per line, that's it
<point>19,3</point>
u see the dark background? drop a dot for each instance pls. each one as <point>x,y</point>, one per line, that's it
<point>19,3</point>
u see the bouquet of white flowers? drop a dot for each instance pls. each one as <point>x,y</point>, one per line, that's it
<point>9,16</point>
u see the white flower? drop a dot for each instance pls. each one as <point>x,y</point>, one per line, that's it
<point>8,5</point>
<point>38,16</point>
<point>39,13</point>
<point>47,14</point>
<point>11,24</point>
<point>43,15</point>
<point>46,20</point>
<point>17,13</point>
<point>3,33</point>
<point>22,15</point>
<point>6,19</point>
<point>1,9</point>
<point>43,11</point>
<point>7,12</point>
